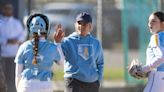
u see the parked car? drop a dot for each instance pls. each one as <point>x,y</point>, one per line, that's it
<point>65,14</point>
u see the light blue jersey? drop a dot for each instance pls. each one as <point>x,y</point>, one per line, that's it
<point>83,58</point>
<point>156,40</point>
<point>47,54</point>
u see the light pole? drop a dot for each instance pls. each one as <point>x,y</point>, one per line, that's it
<point>99,20</point>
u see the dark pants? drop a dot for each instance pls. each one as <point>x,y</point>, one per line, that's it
<point>3,90</point>
<point>9,71</point>
<point>74,85</point>
<point>3,85</point>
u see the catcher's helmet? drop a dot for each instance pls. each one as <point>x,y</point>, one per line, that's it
<point>38,23</point>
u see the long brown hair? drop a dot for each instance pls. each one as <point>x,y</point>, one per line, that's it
<point>35,48</point>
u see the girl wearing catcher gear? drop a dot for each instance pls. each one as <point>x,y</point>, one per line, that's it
<point>35,58</point>
<point>155,54</point>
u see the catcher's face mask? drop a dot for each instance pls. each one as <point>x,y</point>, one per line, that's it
<point>38,23</point>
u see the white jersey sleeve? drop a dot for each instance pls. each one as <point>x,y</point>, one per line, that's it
<point>155,56</point>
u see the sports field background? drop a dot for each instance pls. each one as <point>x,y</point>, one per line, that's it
<point>121,26</point>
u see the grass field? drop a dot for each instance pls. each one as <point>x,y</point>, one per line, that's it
<point>113,74</point>
<point>109,74</point>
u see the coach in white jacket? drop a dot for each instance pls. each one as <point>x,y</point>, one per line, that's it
<point>12,34</point>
